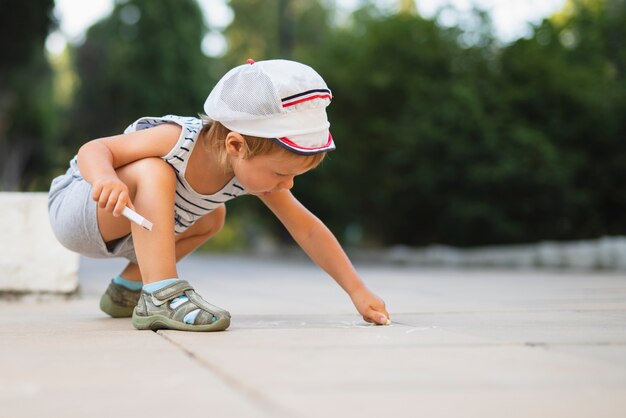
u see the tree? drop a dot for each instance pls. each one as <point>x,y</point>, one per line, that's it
<point>144,59</point>
<point>267,29</point>
<point>410,113</point>
<point>566,83</point>
<point>26,105</point>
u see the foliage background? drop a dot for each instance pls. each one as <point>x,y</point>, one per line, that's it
<point>445,135</point>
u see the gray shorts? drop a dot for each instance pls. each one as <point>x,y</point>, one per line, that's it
<point>73,218</point>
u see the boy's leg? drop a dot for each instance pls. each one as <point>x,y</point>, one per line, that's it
<point>145,178</point>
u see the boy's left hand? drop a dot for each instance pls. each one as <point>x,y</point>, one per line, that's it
<point>370,306</point>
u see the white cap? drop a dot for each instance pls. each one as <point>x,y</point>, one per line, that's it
<point>278,99</point>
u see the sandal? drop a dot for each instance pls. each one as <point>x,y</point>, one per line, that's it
<point>167,308</point>
<point>119,301</point>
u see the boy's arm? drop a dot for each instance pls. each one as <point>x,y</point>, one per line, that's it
<point>98,159</point>
<point>323,248</point>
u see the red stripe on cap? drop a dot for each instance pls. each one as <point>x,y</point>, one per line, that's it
<point>306,99</point>
<point>292,144</point>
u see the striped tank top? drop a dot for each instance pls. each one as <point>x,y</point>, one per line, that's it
<point>189,205</point>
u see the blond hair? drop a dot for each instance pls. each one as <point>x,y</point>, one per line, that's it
<point>213,136</point>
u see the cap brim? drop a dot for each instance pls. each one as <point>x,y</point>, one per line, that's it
<point>291,143</point>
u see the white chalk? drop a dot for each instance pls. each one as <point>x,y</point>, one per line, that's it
<point>137,218</point>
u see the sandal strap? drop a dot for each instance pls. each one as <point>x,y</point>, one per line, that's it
<point>195,302</point>
<point>173,290</point>
<point>204,317</point>
<point>182,310</point>
<point>206,306</point>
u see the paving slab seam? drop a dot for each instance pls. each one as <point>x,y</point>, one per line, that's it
<point>269,407</point>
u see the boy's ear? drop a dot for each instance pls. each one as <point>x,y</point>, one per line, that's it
<point>235,144</point>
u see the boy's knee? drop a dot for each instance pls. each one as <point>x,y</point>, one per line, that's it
<point>149,171</point>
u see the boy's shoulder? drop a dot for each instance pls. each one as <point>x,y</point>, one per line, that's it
<point>191,124</point>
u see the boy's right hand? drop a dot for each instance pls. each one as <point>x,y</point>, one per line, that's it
<point>111,194</point>
<point>370,306</point>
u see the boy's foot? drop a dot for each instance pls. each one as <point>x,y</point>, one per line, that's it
<point>119,301</point>
<point>177,306</point>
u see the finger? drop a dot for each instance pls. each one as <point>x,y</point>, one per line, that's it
<point>384,311</point>
<point>95,194</point>
<point>112,201</point>
<point>121,203</point>
<point>377,317</point>
<point>104,198</point>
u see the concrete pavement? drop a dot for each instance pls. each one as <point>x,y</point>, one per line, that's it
<point>477,343</point>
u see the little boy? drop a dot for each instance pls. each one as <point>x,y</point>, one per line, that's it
<point>265,125</point>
